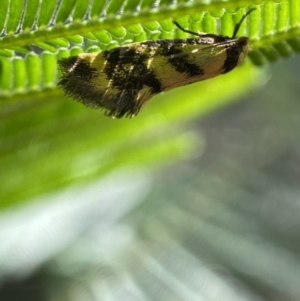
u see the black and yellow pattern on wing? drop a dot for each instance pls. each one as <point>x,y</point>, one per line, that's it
<point>121,80</point>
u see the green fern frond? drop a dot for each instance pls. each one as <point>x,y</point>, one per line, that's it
<point>48,34</point>
<point>49,141</point>
<point>40,30</point>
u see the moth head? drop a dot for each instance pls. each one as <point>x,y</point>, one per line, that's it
<point>244,46</point>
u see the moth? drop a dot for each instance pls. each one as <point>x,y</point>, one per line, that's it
<point>122,79</point>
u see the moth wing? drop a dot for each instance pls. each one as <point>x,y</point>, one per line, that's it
<point>121,80</point>
<point>118,80</point>
<point>187,61</point>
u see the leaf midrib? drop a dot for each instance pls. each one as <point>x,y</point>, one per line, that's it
<point>79,28</point>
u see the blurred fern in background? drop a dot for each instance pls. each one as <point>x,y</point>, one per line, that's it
<point>84,217</point>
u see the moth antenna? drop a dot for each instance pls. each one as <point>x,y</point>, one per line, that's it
<point>185,30</point>
<point>237,26</point>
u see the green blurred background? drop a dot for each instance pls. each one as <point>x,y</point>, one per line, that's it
<point>219,222</point>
